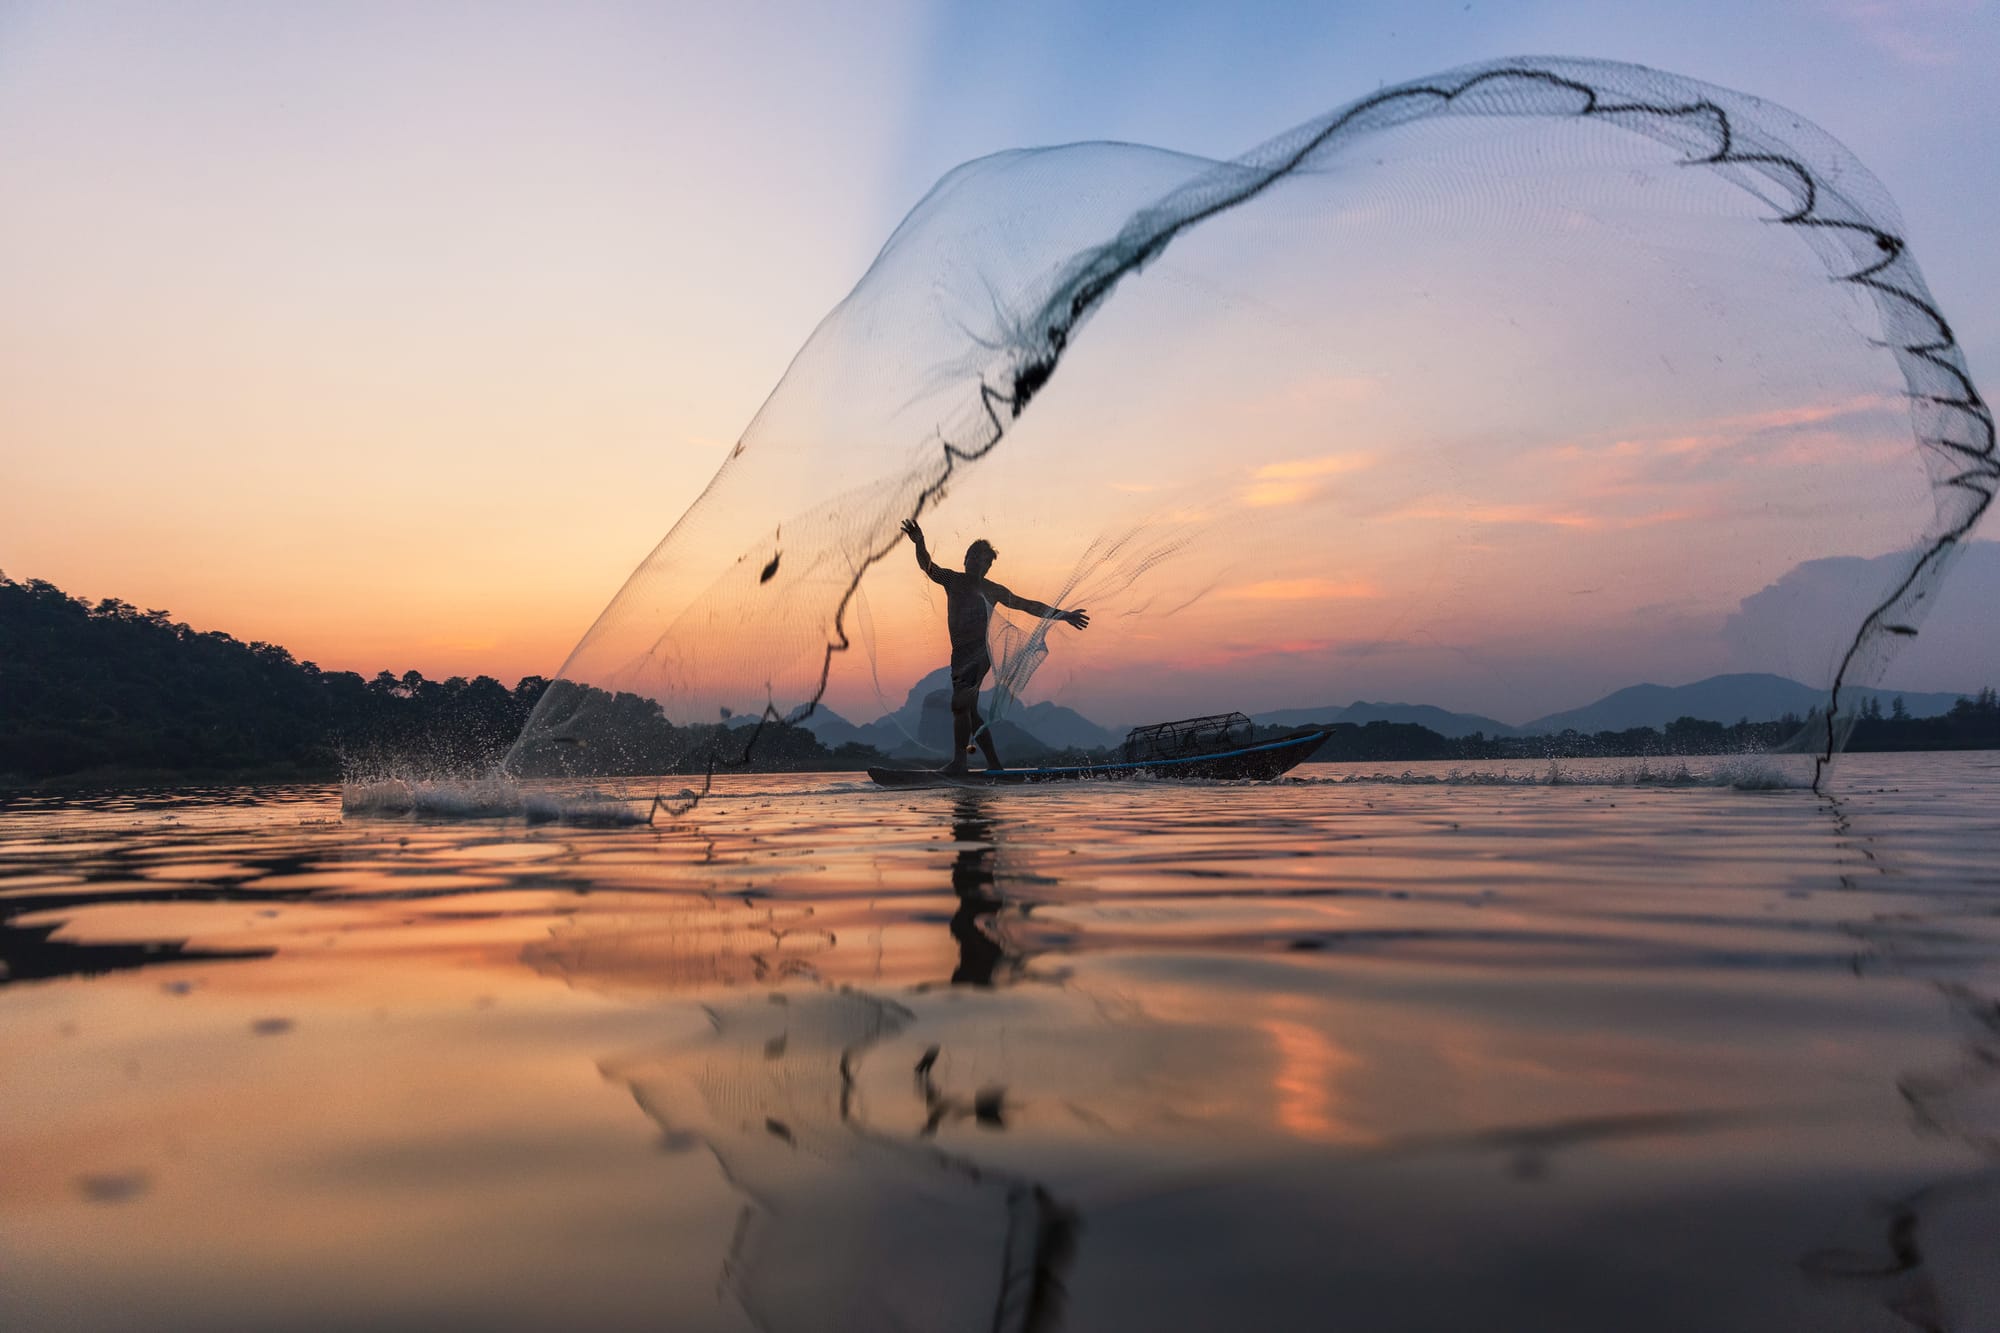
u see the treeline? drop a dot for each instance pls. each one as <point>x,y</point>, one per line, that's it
<point>1379,741</point>
<point>1972,724</point>
<point>119,694</point>
<point>1686,735</point>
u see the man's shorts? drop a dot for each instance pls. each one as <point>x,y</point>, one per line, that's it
<point>966,678</point>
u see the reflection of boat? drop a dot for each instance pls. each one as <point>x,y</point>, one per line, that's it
<point>1213,748</point>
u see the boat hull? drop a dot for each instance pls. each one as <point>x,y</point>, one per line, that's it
<point>1249,763</point>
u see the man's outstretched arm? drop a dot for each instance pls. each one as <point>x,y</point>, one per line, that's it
<point>916,535</point>
<point>1039,610</point>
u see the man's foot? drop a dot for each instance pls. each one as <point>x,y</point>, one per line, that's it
<point>957,768</point>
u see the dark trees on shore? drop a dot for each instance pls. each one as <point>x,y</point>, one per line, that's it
<point>113,692</point>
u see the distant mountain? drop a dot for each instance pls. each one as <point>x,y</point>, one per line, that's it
<point>1063,728</point>
<point>831,728</point>
<point>922,726</point>
<point>1361,714</point>
<point>1757,696</point>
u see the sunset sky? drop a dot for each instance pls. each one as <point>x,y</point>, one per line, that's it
<point>399,334</point>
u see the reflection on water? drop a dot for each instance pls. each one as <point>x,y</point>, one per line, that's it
<point>976,925</point>
<point>853,1218</point>
<point>1414,1054</point>
<point>851,1221</point>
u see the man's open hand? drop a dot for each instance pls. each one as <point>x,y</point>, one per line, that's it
<point>1080,619</point>
<point>912,531</point>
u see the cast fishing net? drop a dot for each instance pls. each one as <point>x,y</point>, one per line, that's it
<point>1493,390</point>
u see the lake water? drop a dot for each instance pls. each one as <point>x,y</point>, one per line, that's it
<point>1632,1048</point>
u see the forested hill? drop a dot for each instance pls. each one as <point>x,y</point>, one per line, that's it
<point>115,694</point>
<point>127,693</point>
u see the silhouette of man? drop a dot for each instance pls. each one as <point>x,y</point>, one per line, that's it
<point>969,600</point>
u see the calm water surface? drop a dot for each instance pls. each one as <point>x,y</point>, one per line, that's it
<point>1438,1050</point>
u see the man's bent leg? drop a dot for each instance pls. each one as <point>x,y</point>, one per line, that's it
<point>984,734</point>
<point>961,737</point>
<point>965,721</point>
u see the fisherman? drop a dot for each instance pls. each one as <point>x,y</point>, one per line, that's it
<point>969,600</point>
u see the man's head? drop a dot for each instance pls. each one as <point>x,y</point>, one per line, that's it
<point>979,558</point>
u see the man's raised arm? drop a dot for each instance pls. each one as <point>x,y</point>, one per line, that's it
<point>916,535</point>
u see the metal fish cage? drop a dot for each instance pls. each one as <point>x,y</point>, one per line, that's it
<point>1189,736</point>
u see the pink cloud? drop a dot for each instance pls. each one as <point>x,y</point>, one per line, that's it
<point>1230,654</point>
<point>1294,480</point>
<point>1916,32</point>
<point>1536,515</point>
<point>1304,590</point>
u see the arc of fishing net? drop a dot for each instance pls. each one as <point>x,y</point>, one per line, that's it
<point>1106,267</point>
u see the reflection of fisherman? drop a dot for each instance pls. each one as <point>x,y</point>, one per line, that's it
<point>975,925</point>
<point>969,599</point>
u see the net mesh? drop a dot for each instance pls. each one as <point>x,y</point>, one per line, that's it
<point>1496,386</point>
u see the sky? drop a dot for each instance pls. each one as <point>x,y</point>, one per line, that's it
<point>399,334</point>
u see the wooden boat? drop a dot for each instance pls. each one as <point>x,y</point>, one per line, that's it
<point>1192,748</point>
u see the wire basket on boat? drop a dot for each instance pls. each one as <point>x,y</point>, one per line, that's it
<point>1189,736</point>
